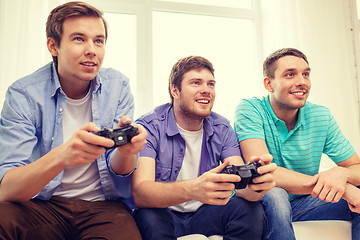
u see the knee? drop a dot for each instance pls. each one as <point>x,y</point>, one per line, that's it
<point>276,203</point>
<point>152,217</point>
<point>253,211</point>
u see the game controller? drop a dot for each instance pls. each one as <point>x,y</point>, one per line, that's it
<point>120,135</point>
<point>247,173</point>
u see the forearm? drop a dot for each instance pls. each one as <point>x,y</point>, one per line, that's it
<point>160,195</point>
<point>354,175</point>
<point>249,194</point>
<point>292,181</point>
<point>22,183</point>
<point>123,164</point>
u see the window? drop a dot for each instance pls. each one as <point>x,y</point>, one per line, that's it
<point>147,37</point>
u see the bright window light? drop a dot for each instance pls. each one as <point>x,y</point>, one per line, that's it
<point>247,4</point>
<point>228,43</point>
<point>121,46</point>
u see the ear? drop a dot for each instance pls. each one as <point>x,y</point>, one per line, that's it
<point>267,84</point>
<point>52,47</point>
<point>175,92</point>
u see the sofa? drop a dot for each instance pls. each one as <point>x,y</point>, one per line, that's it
<point>309,230</point>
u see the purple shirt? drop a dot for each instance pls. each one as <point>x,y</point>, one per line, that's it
<point>167,147</point>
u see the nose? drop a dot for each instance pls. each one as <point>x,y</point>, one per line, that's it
<point>206,89</point>
<point>90,49</point>
<point>300,80</point>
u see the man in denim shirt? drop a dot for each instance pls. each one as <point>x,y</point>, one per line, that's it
<point>177,186</point>
<point>57,179</point>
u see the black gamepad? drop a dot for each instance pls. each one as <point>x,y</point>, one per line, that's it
<point>247,173</point>
<point>120,135</point>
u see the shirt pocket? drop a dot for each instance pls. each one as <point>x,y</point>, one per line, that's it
<point>162,174</point>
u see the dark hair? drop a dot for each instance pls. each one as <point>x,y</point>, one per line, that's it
<point>56,18</point>
<point>185,65</point>
<point>269,65</point>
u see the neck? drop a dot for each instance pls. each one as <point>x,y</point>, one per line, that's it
<point>75,91</point>
<point>289,116</point>
<point>187,122</point>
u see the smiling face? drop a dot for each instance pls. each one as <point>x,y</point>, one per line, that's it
<point>197,95</point>
<point>290,86</point>
<point>80,53</point>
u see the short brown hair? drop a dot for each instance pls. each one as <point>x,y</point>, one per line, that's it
<point>269,65</point>
<point>185,65</point>
<point>56,18</point>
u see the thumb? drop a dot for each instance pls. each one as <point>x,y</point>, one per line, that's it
<point>312,181</point>
<point>219,168</point>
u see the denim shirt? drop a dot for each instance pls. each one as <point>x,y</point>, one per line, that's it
<point>31,123</point>
<point>167,147</point>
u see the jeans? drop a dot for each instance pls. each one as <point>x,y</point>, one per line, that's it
<point>239,219</point>
<point>280,213</point>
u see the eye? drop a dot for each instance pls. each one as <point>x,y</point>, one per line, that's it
<point>211,84</point>
<point>306,75</point>
<point>99,41</point>
<point>78,39</point>
<point>289,75</point>
<point>196,82</point>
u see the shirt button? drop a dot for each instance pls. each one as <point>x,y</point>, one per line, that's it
<point>159,174</point>
<point>176,171</point>
<point>60,110</point>
<point>52,139</point>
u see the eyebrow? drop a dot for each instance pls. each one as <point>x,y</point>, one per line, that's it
<point>294,69</point>
<point>82,34</point>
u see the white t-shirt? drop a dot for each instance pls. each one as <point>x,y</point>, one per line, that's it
<point>191,165</point>
<point>80,182</point>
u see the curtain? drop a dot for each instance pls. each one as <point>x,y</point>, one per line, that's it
<point>323,30</point>
<point>22,39</point>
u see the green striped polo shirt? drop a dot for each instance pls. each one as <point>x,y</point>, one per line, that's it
<point>300,150</point>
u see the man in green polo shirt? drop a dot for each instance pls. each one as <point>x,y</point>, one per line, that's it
<point>296,133</point>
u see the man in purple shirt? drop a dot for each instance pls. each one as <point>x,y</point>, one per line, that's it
<point>177,187</point>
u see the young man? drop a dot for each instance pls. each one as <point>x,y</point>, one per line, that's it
<point>57,179</point>
<point>296,133</point>
<point>177,186</point>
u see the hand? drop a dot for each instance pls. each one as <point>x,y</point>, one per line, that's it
<point>137,142</point>
<point>352,196</point>
<point>266,181</point>
<point>214,188</point>
<point>83,147</point>
<point>329,185</point>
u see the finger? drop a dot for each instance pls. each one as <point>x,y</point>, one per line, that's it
<point>97,140</point>
<point>266,159</point>
<point>141,136</point>
<point>254,159</point>
<point>124,120</point>
<point>337,197</point>
<point>330,196</point>
<point>267,168</point>
<point>90,127</point>
<point>317,190</point>
<point>353,208</point>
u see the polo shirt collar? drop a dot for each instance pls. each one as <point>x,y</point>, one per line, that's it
<point>301,111</point>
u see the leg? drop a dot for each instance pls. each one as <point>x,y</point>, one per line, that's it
<point>239,219</point>
<point>278,214</point>
<point>34,219</point>
<point>155,223</point>
<point>104,220</point>
<point>308,208</point>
